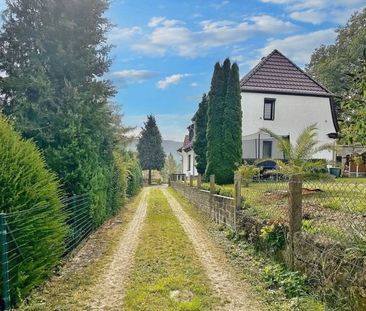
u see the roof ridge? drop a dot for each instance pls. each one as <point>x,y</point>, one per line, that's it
<point>303,71</point>
<point>257,67</point>
<point>277,64</point>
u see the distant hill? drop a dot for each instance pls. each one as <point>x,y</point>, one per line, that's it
<point>170,146</point>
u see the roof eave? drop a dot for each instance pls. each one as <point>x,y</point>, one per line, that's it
<point>285,92</point>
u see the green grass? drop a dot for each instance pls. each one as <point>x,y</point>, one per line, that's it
<point>166,265</point>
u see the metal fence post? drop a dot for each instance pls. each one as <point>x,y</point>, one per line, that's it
<point>4,262</point>
<point>294,214</point>
<point>238,198</point>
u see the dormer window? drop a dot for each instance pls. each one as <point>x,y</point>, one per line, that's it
<point>269,109</point>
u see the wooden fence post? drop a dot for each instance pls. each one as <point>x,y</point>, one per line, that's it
<point>191,180</point>
<point>212,184</point>
<point>199,181</point>
<point>212,193</point>
<point>294,214</point>
<point>238,198</point>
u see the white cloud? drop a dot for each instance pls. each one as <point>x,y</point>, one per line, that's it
<point>194,84</point>
<point>319,11</point>
<point>309,16</point>
<point>220,5</point>
<point>162,21</point>
<point>149,49</point>
<point>118,34</point>
<point>173,79</point>
<point>300,47</point>
<point>188,43</point>
<point>132,76</point>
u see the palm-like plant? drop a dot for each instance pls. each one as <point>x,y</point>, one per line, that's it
<point>299,156</point>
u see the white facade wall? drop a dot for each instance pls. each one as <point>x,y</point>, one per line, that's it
<point>292,115</point>
<point>188,163</point>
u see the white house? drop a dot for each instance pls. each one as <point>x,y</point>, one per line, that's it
<point>187,153</point>
<point>278,95</point>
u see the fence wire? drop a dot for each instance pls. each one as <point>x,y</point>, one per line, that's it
<point>27,261</point>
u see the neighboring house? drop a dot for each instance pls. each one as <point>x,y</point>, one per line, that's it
<point>278,95</point>
<point>187,153</point>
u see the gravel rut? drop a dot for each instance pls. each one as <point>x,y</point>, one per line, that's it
<point>233,292</point>
<point>110,290</point>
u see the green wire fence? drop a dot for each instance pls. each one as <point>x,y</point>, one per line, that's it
<point>25,263</point>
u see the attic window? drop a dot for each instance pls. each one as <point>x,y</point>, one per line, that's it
<point>269,108</point>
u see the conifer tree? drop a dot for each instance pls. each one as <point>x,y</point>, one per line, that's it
<point>215,115</point>
<point>200,142</point>
<point>232,139</point>
<point>150,150</point>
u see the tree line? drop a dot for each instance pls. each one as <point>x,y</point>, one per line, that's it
<point>53,58</point>
<point>341,68</point>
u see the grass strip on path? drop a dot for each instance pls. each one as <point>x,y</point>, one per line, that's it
<point>167,273</point>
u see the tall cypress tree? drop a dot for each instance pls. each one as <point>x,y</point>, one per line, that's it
<point>232,139</point>
<point>150,149</point>
<point>216,108</point>
<point>200,142</point>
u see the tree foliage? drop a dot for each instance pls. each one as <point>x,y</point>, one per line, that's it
<point>200,141</point>
<point>54,54</point>
<point>331,64</point>
<point>170,167</point>
<point>224,123</point>
<point>150,149</point>
<point>26,183</point>
<point>232,130</point>
<point>354,103</point>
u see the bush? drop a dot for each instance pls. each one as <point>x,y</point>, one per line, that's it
<point>26,184</point>
<point>247,172</point>
<point>292,283</point>
<point>135,177</point>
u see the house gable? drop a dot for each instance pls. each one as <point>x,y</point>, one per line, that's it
<point>277,74</point>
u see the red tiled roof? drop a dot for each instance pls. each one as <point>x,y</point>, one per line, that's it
<point>276,73</point>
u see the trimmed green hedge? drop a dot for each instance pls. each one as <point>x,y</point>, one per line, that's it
<point>29,192</point>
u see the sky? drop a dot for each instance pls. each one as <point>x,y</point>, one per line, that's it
<point>165,50</point>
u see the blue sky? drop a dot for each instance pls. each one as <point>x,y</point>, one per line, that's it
<point>165,50</point>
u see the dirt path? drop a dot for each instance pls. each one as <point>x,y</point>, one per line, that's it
<point>226,285</point>
<point>109,292</point>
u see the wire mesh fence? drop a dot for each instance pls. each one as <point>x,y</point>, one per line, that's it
<point>315,226</point>
<point>34,240</point>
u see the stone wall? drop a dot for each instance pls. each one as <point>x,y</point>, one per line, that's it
<point>221,209</point>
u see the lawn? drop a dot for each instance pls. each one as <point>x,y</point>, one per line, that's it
<point>334,209</point>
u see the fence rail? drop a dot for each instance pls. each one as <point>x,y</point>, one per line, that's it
<point>20,256</point>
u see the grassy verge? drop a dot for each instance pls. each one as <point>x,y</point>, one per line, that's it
<point>167,273</point>
<point>277,289</point>
<point>69,288</point>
